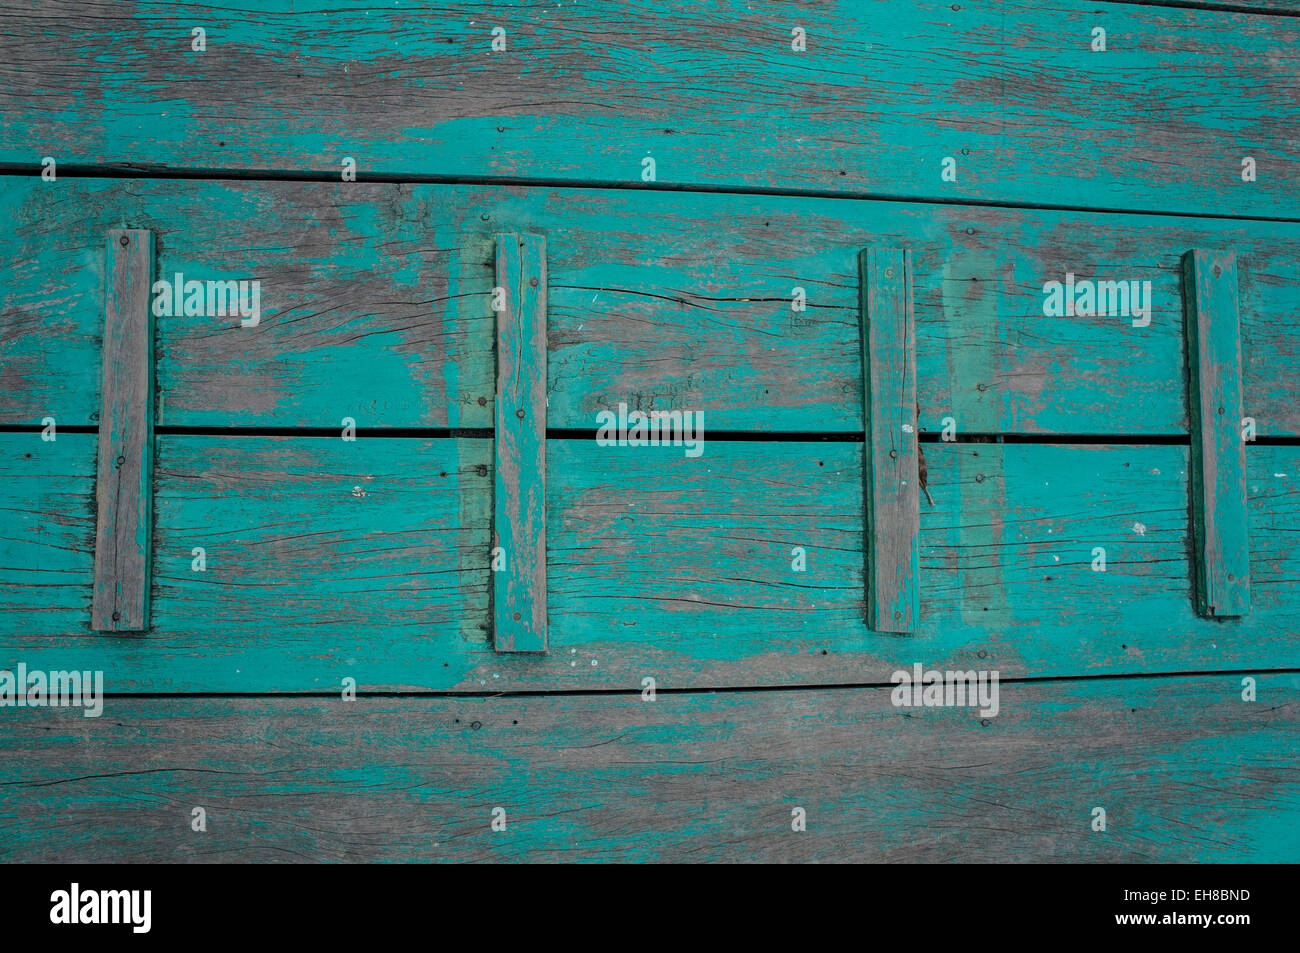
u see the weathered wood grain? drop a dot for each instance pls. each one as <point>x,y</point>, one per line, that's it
<point>1185,770</point>
<point>715,95</point>
<point>365,310</point>
<point>889,454</point>
<point>47,539</point>
<point>1218,450</point>
<point>124,488</point>
<point>377,305</point>
<point>658,565</point>
<point>519,462</point>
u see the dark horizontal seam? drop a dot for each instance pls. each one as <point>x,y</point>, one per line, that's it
<point>121,171</point>
<point>721,436</point>
<point>706,690</point>
<point>1215,7</point>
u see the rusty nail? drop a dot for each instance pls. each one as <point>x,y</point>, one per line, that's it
<point>982,654</point>
<point>1216,271</point>
<point>889,272</point>
<point>476,725</point>
<point>981,387</point>
<point>121,460</point>
<point>985,722</point>
<point>897,614</point>
<point>482,470</point>
<point>1231,577</point>
<point>533,282</point>
<point>1220,410</point>
<point>979,478</point>
<point>519,414</point>
<point>125,240</point>
<point>893,454</point>
<point>117,617</point>
<point>518,616</point>
<point>482,401</point>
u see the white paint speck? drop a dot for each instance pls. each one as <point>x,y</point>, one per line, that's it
<point>1140,529</point>
<point>1279,475</point>
<point>593,663</point>
<point>1056,559</point>
<point>908,428</point>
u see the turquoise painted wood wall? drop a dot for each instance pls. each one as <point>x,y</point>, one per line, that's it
<point>330,564</point>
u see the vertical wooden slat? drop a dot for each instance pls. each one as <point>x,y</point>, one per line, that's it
<point>123,490</point>
<point>519,589</point>
<point>890,454</point>
<point>1218,457</point>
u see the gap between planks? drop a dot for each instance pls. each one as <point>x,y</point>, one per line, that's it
<point>724,436</point>
<point>393,178</point>
<point>720,690</point>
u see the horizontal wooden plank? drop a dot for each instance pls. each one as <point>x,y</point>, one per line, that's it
<point>376,305</point>
<point>373,550</point>
<point>882,95</point>
<point>327,559</point>
<point>698,777</point>
<point>363,313</point>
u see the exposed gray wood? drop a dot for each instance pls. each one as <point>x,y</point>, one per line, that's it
<point>1218,457</point>
<point>891,488</point>
<point>124,488</point>
<point>519,500</point>
<point>1185,770</point>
